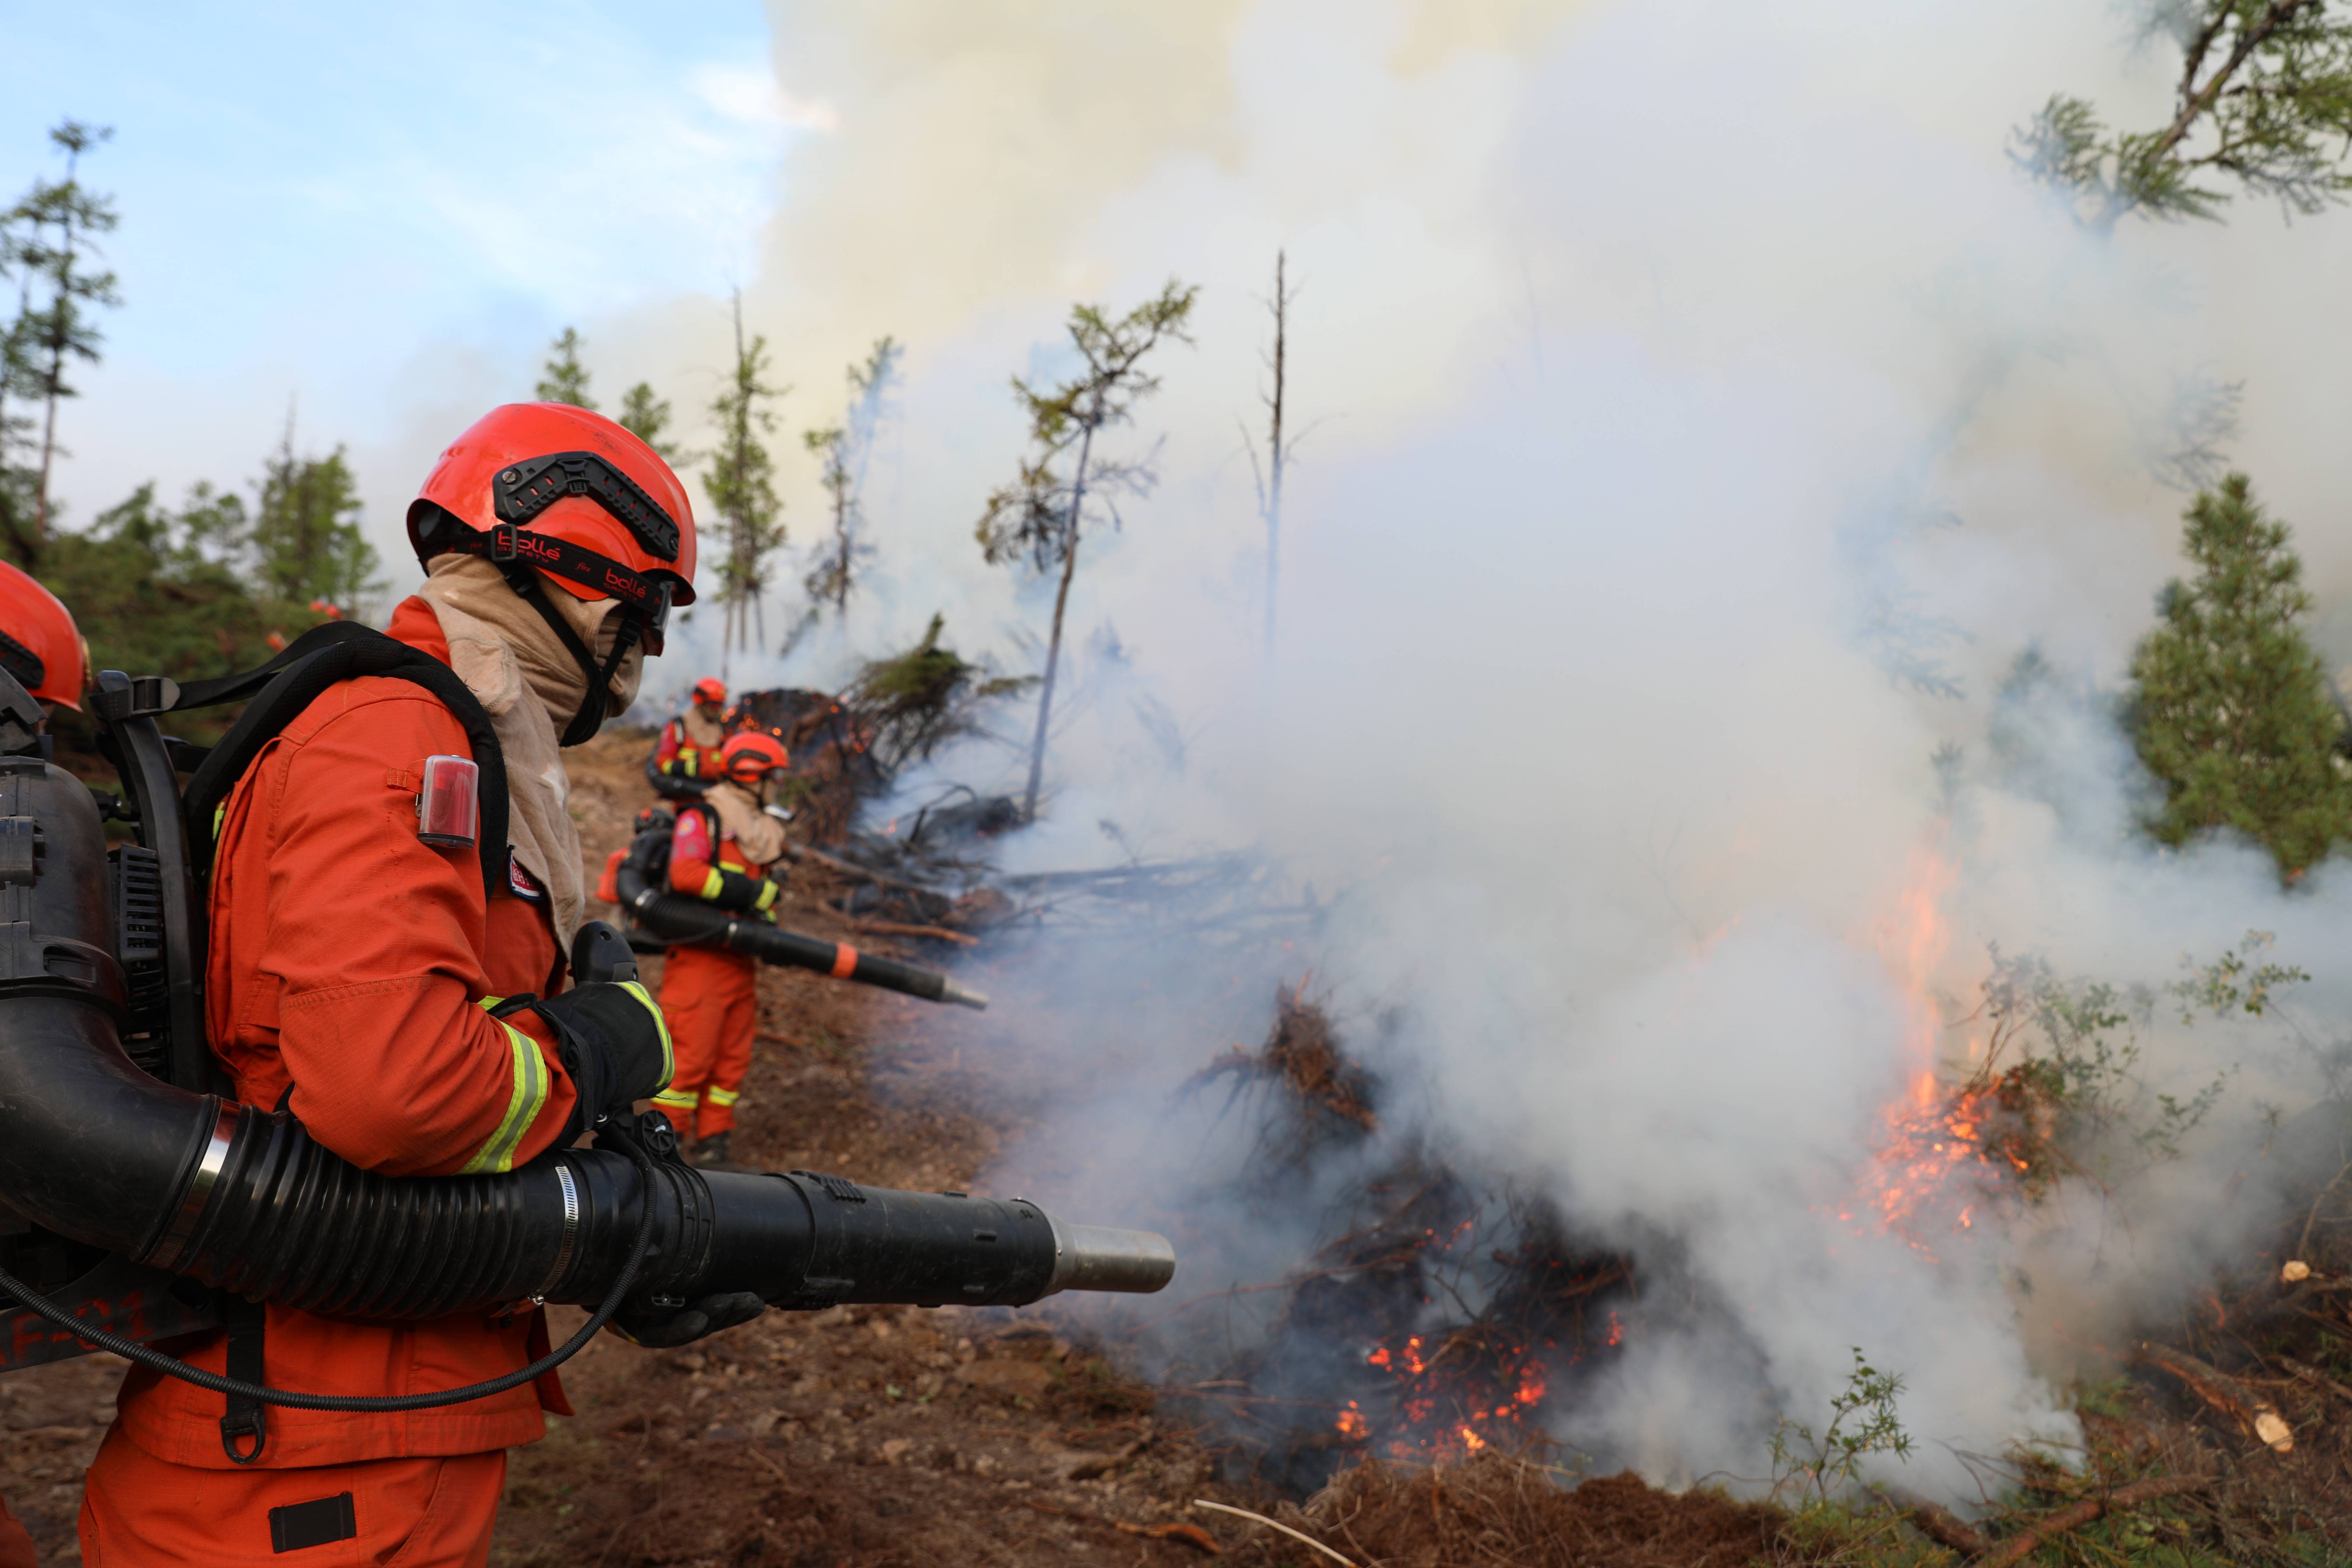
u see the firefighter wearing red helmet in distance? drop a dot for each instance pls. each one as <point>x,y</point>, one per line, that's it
<point>721,852</point>
<point>363,980</point>
<point>690,743</point>
<point>41,646</point>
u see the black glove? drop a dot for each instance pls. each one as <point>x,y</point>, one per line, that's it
<point>613,1043</point>
<point>738,894</point>
<point>682,1325</point>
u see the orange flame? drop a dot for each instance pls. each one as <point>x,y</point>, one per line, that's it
<point>1932,1156</point>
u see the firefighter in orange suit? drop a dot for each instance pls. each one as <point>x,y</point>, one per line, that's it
<point>369,983</point>
<point>41,646</point>
<point>690,743</point>
<point>721,852</point>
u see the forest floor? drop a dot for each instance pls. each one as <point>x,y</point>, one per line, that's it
<point>887,1437</point>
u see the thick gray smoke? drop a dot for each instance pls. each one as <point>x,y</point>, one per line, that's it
<point>1716,415</point>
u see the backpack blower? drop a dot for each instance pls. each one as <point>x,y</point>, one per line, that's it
<point>137,1202</point>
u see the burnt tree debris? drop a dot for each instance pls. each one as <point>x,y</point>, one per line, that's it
<point>1442,1315</point>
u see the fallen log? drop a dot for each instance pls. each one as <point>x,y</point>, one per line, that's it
<point>852,868</point>
<point>2016,1548</point>
<point>1944,1527</point>
<point>2253,1413</point>
<point>900,928</point>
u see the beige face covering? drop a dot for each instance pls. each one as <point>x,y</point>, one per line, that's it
<point>503,650</point>
<point>760,837</point>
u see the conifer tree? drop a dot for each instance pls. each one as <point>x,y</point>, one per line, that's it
<point>1039,518</point>
<point>2231,709</point>
<point>842,450</point>
<point>306,534</point>
<point>742,484</point>
<point>563,379</point>
<point>646,416</point>
<point>16,384</point>
<point>2264,98</point>
<point>54,251</point>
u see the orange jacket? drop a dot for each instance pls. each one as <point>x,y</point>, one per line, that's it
<point>677,754</point>
<point>348,964</point>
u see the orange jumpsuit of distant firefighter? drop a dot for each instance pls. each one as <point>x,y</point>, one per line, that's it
<point>709,995</point>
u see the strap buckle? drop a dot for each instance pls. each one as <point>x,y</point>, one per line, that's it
<point>153,694</point>
<point>142,697</point>
<point>503,542</point>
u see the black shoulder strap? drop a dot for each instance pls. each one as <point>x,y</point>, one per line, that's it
<point>292,681</point>
<point>171,697</point>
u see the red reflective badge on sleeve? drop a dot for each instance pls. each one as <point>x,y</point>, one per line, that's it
<point>448,806</point>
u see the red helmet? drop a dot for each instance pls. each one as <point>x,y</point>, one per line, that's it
<point>709,689</point>
<point>751,754</point>
<point>554,487</point>
<point>38,642</point>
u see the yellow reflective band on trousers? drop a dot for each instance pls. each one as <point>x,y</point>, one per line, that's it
<point>524,1102</point>
<point>724,1096</point>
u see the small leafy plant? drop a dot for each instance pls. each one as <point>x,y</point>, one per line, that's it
<point>1814,1472</point>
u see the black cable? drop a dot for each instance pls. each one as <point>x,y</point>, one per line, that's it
<point>173,1366</point>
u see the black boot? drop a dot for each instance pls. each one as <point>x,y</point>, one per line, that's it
<point>711,1154</point>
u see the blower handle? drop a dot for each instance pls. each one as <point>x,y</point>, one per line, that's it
<point>601,953</point>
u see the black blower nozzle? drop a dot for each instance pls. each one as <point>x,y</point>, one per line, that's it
<point>675,918</point>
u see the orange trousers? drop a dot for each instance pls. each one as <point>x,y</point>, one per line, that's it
<point>16,1544</point>
<point>138,1510</point>
<point>711,1000</point>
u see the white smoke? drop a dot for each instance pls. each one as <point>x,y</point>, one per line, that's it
<point>1722,414</point>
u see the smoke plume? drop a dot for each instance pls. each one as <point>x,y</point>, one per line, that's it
<point>1710,415</point>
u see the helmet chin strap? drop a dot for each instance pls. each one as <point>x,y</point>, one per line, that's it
<point>584,724</point>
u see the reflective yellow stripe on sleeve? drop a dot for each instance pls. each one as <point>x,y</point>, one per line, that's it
<point>669,1054</point>
<point>524,1103</point>
<point>713,884</point>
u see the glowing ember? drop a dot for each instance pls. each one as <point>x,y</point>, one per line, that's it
<point>1454,1396</point>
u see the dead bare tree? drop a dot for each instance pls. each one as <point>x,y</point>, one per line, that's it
<point>1278,448</point>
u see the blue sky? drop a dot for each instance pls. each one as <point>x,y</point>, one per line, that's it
<point>313,196</point>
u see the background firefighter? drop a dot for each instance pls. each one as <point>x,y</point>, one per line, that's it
<point>690,743</point>
<point>721,852</point>
<point>42,648</point>
<point>411,1042</point>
